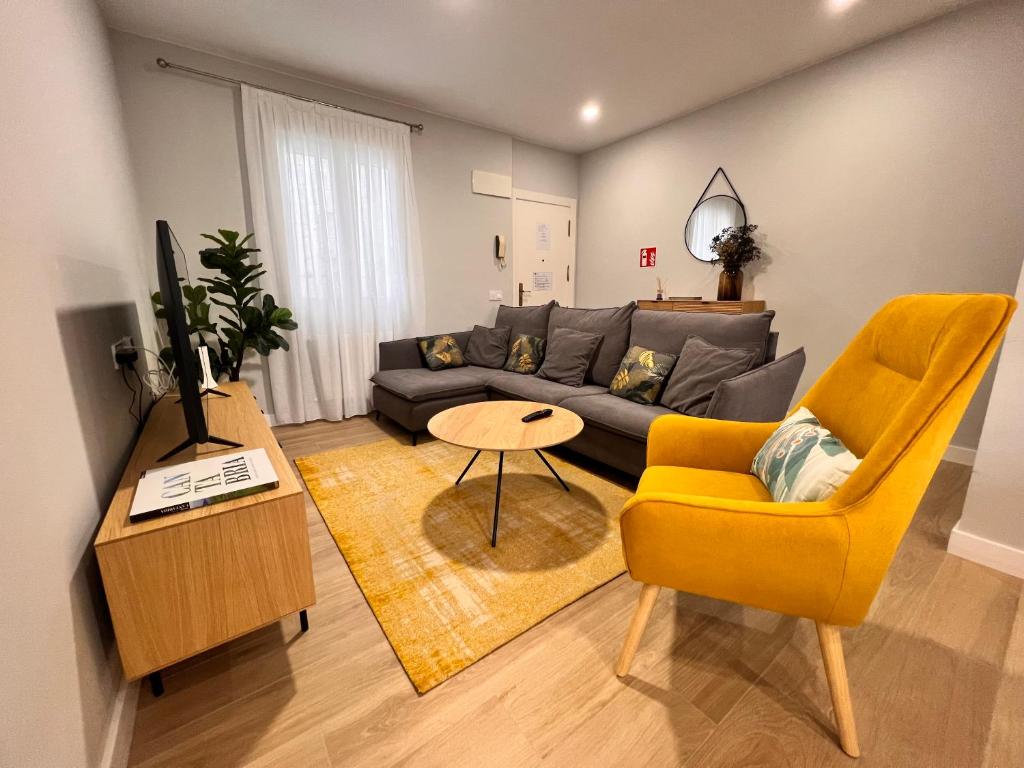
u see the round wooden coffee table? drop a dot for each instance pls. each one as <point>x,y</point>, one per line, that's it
<point>497,425</point>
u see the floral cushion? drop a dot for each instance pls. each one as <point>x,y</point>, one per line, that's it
<point>641,375</point>
<point>440,352</point>
<point>525,354</point>
<point>803,461</point>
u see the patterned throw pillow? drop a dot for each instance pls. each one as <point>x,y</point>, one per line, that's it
<point>803,461</point>
<point>440,352</point>
<point>641,375</point>
<point>526,354</point>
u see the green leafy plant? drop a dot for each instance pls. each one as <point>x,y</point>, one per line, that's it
<point>251,318</point>
<point>735,247</point>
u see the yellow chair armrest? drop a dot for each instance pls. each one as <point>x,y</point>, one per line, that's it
<point>803,509</point>
<point>788,558</point>
<point>690,441</point>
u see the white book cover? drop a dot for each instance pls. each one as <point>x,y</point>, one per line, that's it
<point>163,490</point>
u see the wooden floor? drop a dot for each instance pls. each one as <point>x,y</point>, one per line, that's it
<point>937,675</point>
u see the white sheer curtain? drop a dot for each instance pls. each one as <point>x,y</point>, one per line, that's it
<point>334,212</point>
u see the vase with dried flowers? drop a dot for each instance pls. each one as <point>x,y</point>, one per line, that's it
<point>734,248</point>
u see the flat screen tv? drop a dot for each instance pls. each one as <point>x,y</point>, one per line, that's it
<point>184,356</point>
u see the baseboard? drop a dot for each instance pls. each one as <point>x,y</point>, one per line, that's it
<point>122,724</point>
<point>960,455</point>
<point>986,552</point>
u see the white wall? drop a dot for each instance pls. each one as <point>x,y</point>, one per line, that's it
<point>186,143</point>
<point>69,260</point>
<point>897,168</point>
<point>991,529</point>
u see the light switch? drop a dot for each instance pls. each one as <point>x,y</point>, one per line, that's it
<point>495,296</point>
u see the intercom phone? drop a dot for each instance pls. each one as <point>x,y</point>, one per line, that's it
<point>499,249</point>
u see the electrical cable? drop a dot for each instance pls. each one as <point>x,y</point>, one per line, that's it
<point>131,405</point>
<point>160,379</point>
<point>142,386</point>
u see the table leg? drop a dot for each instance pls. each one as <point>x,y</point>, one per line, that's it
<point>497,499</point>
<point>546,464</point>
<point>467,467</point>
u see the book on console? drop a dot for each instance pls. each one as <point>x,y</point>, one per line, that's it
<point>165,490</point>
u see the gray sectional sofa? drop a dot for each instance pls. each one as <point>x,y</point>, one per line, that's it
<point>615,429</point>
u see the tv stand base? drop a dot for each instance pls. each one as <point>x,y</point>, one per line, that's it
<point>188,442</point>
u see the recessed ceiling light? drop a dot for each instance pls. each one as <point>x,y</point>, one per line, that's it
<point>839,6</point>
<point>590,111</point>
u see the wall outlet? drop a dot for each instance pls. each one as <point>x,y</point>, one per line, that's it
<point>495,296</point>
<point>125,342</point>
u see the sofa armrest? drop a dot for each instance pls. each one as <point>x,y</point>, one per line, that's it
<point>701,443</point>
<point>400,353</point>
<point>405,353</point>
<point>763,394</point>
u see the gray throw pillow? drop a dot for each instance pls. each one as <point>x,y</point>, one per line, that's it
<point>531,321</point>
<point>488,347</point>
<point>762,394</point>
<point>612,324</point>
<point>568,356</point>
<point>701,367</point>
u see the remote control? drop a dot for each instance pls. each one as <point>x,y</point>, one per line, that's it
<point>543,414</point>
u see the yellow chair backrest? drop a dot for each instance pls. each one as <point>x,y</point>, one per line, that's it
<point>894,397</point>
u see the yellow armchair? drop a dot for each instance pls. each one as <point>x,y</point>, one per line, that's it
<point>701,523</point>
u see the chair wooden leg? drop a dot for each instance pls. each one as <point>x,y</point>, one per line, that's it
<point>835,670</point>
<point>648,595</point>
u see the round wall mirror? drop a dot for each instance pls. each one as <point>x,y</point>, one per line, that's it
<point>709,218</point>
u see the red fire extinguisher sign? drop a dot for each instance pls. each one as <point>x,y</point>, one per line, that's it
<point>647,256</point>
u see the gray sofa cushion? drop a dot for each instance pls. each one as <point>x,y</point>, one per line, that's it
<point>615,414</point>
<point>700,369</point>
<point>612,324</point>
<point>420,384</point>
<point>522,387</point>
<point>532,321</point>
<point>667,331</point>
<point>763,394</point>
<point>568,355</point>
<point>488,346</point>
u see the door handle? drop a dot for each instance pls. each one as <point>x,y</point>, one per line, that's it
<point>521,292</point>
<point>567,273</point>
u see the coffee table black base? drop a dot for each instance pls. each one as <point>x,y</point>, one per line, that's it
<point>497,490</point>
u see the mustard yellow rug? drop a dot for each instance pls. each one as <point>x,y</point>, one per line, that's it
<point>419,546</point>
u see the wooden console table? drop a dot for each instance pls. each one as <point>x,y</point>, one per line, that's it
<point>180,584</point>
<point>697,305</point>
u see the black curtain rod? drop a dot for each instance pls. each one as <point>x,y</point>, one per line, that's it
<point>165,64</point>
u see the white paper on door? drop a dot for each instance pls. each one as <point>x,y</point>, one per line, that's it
<point>543,281</point>
<point>543,237</point>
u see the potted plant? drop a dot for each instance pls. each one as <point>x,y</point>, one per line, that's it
<point>734,248</point>
<point>251,321</point>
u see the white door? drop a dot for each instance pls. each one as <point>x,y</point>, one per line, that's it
<point>544,252</point>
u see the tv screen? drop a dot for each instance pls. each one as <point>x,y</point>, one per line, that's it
<point>167,258</point>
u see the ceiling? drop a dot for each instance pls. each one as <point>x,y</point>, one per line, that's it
<point>526,67</point>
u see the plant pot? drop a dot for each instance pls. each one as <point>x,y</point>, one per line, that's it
<point>730,286</point>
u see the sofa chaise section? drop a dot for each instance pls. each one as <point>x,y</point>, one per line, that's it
<point>410,394</point>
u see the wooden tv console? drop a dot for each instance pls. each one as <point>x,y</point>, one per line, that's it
<point>180,584</point>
